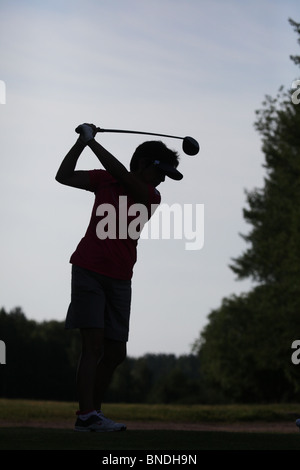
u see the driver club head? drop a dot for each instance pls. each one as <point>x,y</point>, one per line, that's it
<point>190,146</point>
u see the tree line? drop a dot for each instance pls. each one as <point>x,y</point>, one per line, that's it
<point>41,363</point>
<point>246,347</point>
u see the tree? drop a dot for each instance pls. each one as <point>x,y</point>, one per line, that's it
<point>246,347</point>
<point>40,358</point>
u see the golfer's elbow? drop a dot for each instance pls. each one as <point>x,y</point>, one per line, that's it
<point>59,178</point>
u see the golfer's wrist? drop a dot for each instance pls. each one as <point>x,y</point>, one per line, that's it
<point>80,144</point>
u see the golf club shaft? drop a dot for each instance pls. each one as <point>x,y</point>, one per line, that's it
<point>99,129</point>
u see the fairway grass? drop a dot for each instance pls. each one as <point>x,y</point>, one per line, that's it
<point>48,425</point>
<point>52,411</point>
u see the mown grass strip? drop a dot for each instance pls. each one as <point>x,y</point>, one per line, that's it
<point>22,410</point>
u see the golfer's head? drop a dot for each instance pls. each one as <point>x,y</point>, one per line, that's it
<point>155,159</point>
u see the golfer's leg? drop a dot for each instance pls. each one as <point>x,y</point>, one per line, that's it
<point>113,355</point>
<point>92,349</point>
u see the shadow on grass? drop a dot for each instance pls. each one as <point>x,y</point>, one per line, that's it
<point>59,439</point>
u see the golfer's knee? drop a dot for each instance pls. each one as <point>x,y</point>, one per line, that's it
<point>92,346</point>
<point>122,353</point>
<point>93,352</point>
<point>115,353</point>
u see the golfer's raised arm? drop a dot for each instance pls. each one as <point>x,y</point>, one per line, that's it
<point>137,188</point>
<point>66,173</point>
<point>80,179</point>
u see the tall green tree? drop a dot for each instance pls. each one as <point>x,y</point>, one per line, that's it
<point>246,347</point>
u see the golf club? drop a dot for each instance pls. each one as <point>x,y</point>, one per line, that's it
<point>189,145</point>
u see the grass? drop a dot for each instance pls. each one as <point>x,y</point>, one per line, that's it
<point>44,411</point>
<point>188,441</point>
<point>18,437</point>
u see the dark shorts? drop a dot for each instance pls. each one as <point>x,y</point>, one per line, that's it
<point>98,301</point>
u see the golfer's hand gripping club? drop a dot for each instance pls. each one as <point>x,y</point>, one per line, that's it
<point>86,132</point>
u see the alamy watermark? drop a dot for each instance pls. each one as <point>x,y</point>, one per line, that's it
<point>295,357</point>
<point>176,222</point>
<point>295,87</point>
<point>2,352</point>
<point>2,92</point>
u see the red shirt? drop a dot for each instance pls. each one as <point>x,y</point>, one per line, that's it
<point>112,256</point>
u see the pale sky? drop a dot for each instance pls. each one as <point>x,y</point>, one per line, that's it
<point>180,67</point>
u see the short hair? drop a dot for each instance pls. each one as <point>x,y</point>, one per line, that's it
<point>153,150</point>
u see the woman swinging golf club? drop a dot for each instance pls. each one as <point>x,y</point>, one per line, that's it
<point>102,267</point>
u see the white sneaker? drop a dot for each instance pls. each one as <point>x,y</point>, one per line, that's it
<point>86,132</point>
<point>110,423</point>
<point>98,423</point>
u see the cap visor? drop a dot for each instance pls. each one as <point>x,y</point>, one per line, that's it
<point>170,171</point>
<point>175,175</point>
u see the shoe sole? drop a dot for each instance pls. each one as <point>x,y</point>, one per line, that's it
<point>82,429</point>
